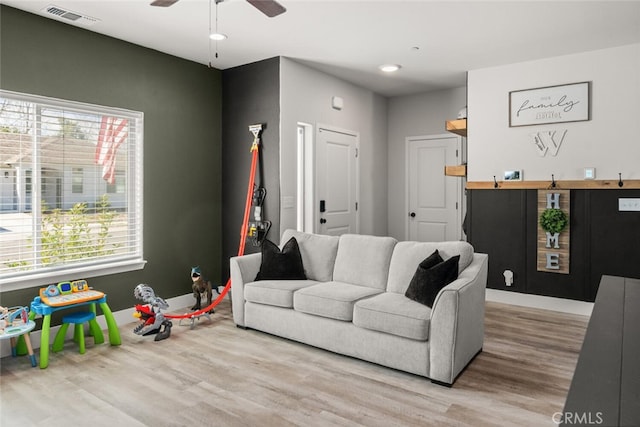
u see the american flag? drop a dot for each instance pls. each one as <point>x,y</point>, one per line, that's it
<point>113,132</point>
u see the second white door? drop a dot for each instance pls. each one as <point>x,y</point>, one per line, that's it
<point>434,199</point>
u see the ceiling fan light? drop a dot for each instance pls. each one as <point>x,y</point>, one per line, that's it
<point>389,68</point>
<point>217,36</point>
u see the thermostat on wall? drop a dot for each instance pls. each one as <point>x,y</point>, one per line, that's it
<point>589,173</point>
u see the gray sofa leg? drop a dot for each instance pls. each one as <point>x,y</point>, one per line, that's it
<point>242,327</point>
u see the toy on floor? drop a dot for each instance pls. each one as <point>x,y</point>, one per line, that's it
<point>150,314</point>
<point>200,287</point>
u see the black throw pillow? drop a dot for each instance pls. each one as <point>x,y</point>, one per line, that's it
<point>427,282</point>
<point>281,265</point>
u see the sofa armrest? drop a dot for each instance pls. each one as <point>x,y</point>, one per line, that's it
<point>456,332</point>
<point>243,270</point>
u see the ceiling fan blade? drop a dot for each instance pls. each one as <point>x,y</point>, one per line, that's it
<point>163,3</point>
<point>270,8</point>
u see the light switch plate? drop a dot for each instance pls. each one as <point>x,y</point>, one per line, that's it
<point>589,173</point>
<point>629,205</point>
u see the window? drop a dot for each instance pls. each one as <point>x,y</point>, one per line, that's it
<point>77,177</point>
<point>70,190</point>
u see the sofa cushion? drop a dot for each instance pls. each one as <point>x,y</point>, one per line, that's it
<point>407,256</point>
<point>331,299</point>
<point>394,314</point>
<point>285,264</point>
<point>364,260</point>
<point>274,292</point>
<point>318,253</point>
<point>427,282</point>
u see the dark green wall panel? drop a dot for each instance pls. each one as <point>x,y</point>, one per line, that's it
<point>182,106</point>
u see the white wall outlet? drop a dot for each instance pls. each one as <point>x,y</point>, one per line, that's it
<point>508,277</point>
<point>589,173</point>
<point>629,205</point>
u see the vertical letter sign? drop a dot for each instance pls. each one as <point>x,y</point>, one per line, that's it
<point>553,246</point>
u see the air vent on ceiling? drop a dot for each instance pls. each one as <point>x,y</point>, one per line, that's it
<point>68,15</point>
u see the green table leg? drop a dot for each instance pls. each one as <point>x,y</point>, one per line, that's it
<point>114,333</point>
<point>96,332</point>
<point>21,347</point>
<point>44,341</point>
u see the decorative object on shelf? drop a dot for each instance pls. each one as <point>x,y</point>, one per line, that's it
<point>620,183</point>
<point>553,231</point>
<point>513,175</point>
<point>551,104</point>
<point>462,114</point>
<point>548,141</point>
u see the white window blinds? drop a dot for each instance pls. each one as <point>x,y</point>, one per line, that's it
<point>70,189</point>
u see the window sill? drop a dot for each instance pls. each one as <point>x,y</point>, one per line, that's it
<point>30,280</point>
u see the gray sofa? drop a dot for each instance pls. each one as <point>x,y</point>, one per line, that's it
<point>353,302</point>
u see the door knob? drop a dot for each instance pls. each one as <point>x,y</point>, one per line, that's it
<point>412,214</point>
<point>323,221</point>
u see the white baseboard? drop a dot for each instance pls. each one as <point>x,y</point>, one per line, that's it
<point>122,317</point>
<point>537,301</point>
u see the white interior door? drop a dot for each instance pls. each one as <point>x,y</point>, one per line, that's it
<point>434,199</point>
<point>336,182</point>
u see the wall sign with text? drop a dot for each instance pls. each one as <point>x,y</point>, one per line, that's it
<point>552,104</point>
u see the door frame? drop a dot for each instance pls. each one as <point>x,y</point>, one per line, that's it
<point>459,187</point>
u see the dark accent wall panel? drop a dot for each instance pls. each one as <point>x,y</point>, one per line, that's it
<point>497,221</point>
<point>181,102</point>
<point>614,239</point>
<point>503,224</point>
<point>251,95</point>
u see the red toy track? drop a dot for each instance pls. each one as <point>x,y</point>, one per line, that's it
<point>243,236</point>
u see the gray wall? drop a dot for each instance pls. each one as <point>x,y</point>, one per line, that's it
<point>181,102</point>
<point>250,96</point>
<point>306,97</point>
<point>414,115</point>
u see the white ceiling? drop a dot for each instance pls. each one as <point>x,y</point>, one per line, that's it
<point>436,42</point>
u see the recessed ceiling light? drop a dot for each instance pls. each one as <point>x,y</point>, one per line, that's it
<point>217,36</point>
<point>389,68</point>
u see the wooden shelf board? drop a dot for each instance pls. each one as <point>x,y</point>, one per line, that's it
<point>457,170</point>
<point>459,127</point>
<point>560,185</point>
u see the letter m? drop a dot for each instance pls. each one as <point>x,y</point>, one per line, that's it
<point>553,239</point>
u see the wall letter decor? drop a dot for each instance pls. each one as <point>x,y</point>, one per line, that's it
<point>553,231</point>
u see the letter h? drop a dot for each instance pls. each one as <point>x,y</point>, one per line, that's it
<point>553,200</point>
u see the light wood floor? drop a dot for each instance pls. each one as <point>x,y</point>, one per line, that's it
<point>219,375</point>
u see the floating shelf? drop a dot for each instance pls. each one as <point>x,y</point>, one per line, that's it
<point>629,184</point>
<point>459,127</point>
<point>458,170</point>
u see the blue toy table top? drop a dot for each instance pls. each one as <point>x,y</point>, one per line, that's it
<point>42,309</point>
<point>14,331</point>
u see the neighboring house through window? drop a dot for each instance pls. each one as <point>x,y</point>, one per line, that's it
<point>70,190</point>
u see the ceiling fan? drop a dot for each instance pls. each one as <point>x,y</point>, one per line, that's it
<point>270,8</point>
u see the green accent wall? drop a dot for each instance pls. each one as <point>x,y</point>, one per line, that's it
<point>182,105</point>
